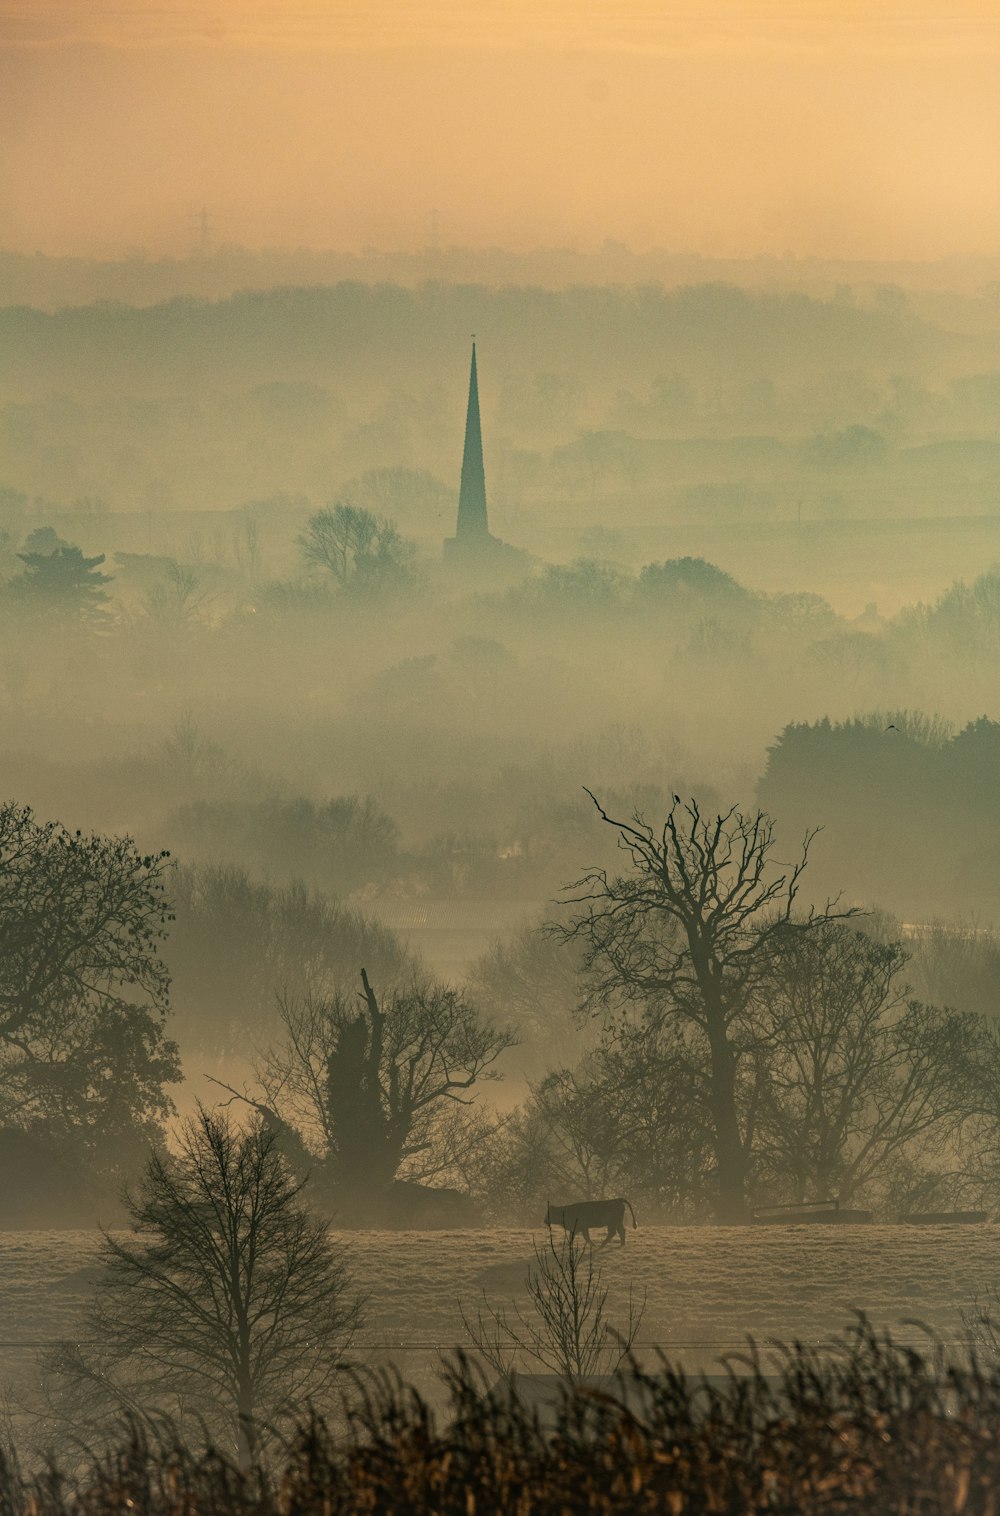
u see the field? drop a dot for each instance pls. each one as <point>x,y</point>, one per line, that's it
<point>706,1288</point>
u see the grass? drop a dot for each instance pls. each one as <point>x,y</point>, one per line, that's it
<point>874,1428</point>
<point>702,1284</point>
<point>708,1286</point>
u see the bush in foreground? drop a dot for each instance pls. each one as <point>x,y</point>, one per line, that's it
<point>873,1428</point>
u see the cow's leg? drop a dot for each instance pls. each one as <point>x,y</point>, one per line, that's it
<point>586,1234</point>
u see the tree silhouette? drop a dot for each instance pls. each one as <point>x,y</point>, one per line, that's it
<point>62,580</point>
<point>566,1327</point>
<point>357,548</point>
<point>81,918</point>
<point>369,1087</point>
<point>855,1072</point>
<point>83,989</point>
<point>689,934</point>
<point>228,1309</point>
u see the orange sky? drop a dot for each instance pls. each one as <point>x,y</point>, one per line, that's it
<point>825,126</point>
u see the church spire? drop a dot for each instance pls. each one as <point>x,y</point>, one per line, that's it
<point>472,525</point>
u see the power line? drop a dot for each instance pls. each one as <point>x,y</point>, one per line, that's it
<point>202,224</point>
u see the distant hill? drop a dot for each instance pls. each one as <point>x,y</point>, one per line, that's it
<point>140,279</point>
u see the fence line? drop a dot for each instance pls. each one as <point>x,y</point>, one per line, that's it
<point>726,1344</point>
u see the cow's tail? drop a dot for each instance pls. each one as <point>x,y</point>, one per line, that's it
<point>634,1222</point>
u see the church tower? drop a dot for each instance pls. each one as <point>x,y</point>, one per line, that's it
<point>472,533</point>
<point>472,523</point>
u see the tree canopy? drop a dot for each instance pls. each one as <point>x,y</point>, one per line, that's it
<point>81,918</point>
<point>84,1055</point>
<point>58,577</point>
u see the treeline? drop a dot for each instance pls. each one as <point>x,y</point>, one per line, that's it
<point>489,710</point>
<point>391,330</point>
<point>742,1051</point>
<point>692,1036</point>
<point>108,957</point>
<point>902,798</point>
<point>966,285</point>
<point>701,403</point>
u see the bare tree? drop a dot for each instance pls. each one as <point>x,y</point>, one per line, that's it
<point>855,1073</point>
<point>629,1119</point>
<point>958,963</point>
<point>567,1330</point>
<point>505,1163</point>
<point>982,1328</point>
<point>370,1087</point>
<point>689,933</point>
<point>580,1130</point>
<point>229,1308</point>
<point>247,546</point>
<point>354,546</point>
<point>174,601</point>
<point>533,983</point>
<point>655,1083</point>
<point>980,1151</point>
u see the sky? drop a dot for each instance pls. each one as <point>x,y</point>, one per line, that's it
<point>826,127</point>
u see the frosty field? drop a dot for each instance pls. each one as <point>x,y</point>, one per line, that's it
<point>706,1288</point>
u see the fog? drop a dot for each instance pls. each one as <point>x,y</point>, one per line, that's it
<point>447,830</point>
<point>726,126</point>
<point>499,756</point>
<point>741,516</point>
<point>630,424</point>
